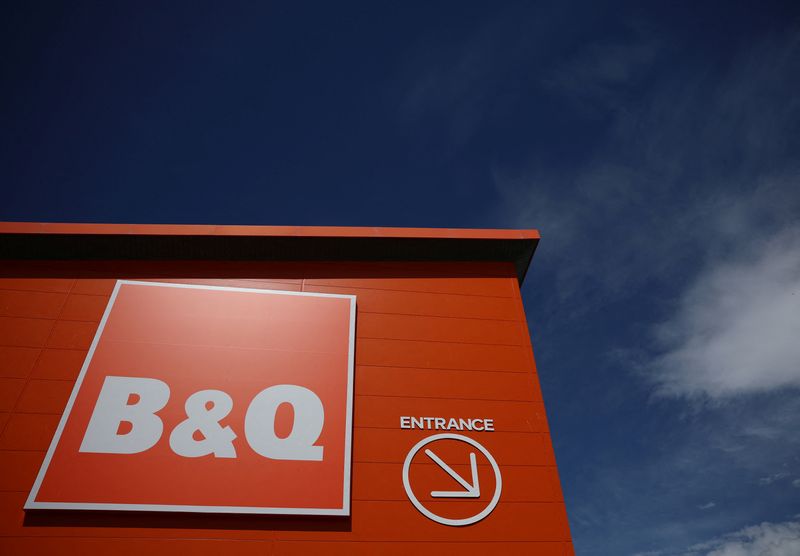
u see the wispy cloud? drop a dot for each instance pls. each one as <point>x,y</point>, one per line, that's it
<point>686,217</point>
<point>601,77</point>
<point>736,328</point>
<point>457,84</point>
<point>769,479</point>
<point>659,501</point>
<point>766,539</point>
<point>684,174</point>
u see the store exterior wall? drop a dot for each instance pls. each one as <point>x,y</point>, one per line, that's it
<point>432,339</point>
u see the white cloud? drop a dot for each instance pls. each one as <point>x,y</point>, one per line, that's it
<point>706,506</point>
<point>682,173</point>
<point>598,78</point>
<point>769,479</point>
<point>766,539</point>
<point>736,329</point>
<point>796,483</point>
<point>688,210</point>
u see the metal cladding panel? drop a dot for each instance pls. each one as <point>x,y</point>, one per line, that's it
<point>437,339</point>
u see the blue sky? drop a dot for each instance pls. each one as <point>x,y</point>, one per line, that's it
<point>656,147</point>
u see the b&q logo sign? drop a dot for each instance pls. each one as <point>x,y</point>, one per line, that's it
<point>209,399</point>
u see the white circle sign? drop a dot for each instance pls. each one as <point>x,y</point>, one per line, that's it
<point>437,518</point>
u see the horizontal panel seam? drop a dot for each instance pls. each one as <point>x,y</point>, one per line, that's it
<point>312,285</point>
<point>462,342</point>
<point>519,372</point>
<point>437,316</point>
<point>483,433</point>
<point>358,499</point>
<point>447,398</point>
<point>271,540</point>
<point>522,344</point>
<point>317,285</point>
<point>360,310</point>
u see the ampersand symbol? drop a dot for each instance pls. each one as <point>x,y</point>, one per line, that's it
<point>217,440</point>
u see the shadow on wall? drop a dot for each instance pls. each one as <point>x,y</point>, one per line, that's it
<point>160,520</point>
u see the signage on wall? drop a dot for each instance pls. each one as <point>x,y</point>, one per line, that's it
<point>209,399</point>
<point>450,478</point>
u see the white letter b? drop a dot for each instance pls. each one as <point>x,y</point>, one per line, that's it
<point>112,408</point>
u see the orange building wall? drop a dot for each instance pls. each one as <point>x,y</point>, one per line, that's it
<point>432,339</point>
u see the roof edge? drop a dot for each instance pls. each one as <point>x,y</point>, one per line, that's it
<point>43,241</point>
<point>261,231</point>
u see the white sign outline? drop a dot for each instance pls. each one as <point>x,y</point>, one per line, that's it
<point>32,504</point>
<point>444,520</point>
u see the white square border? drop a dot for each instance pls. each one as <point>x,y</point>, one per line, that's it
<point>32,504</point>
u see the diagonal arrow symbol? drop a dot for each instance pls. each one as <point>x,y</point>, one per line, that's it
<point>471,490</point>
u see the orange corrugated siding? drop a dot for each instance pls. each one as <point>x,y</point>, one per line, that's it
<point>431,339</point>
